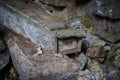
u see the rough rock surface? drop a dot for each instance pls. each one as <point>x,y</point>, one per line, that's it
<point>98,59</point>
<point>83,60</point>
<point>85,75</point>
<point>4,58</point>
<point>2,45</point>
<point>60,3</point>
<point>106,8</point>
<point>37,25</point>
<point>113,57</point>
<point>96,52</point>
<point>94,41</point>
<point>108,15</point>
<point>108,29</point>
<point>33,65</point>
<point>96,70</point>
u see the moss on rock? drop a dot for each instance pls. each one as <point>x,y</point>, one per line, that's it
<point>86,20</point>
<point>113,57</point>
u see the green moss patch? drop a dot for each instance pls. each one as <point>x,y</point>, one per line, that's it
<point>86,20</point>
<point>113,57</point>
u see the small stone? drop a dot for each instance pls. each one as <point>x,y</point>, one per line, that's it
<point>76,24</point>
<point>95,41</point>
<point>107,48</point>
<point>96,70</point>
<point>85,75</point>
<point>58,55</point>
<point>82,60</point>
<point>39,52</point>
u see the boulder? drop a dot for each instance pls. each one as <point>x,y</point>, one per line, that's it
<point>106,8</point>
<point>108,29</point>
<point>96,70</point>
<point>35,63</point>
<point>85,75</point>
<point>107,20</point>
<point>40,27</point>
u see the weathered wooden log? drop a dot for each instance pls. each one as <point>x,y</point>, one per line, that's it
<point>33,22</point>
<point>34,63</point>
